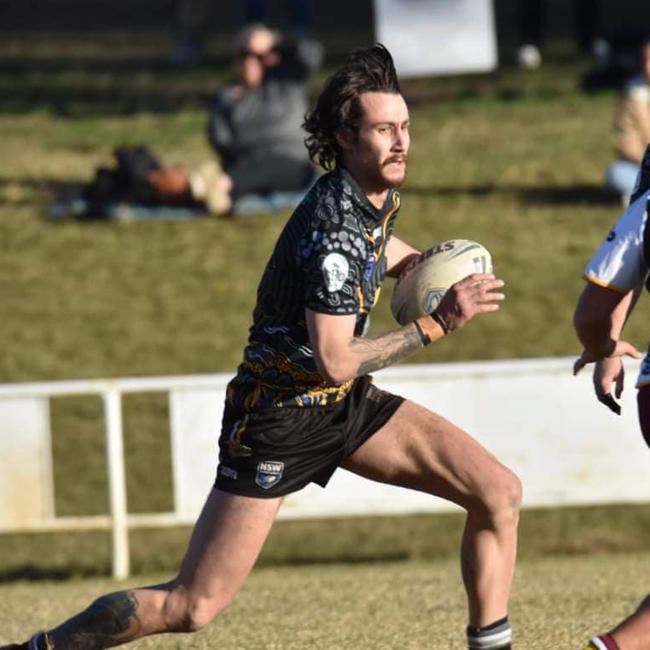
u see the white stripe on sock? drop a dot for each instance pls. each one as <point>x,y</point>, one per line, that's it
<point>496,640</point>
<point>598,643</point>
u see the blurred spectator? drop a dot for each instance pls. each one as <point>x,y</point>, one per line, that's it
<point>190,19</point>
<point>632,129</point>
<point>255,128</point>
<point>300,14</point>
<point>192,16</point>
<point>533,27</point>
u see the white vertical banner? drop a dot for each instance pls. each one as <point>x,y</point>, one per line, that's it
<point>26,483</point>
<point>437,37</point>
<point>195,419</point>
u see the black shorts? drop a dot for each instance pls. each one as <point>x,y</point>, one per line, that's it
<point>274,452</point>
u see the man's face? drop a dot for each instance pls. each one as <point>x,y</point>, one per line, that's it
<point>254,57</point>
<point>378,154</point>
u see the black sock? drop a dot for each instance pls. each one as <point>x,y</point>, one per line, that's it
<point>495,636</point>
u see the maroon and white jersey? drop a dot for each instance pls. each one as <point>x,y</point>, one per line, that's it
<point>620,261</point>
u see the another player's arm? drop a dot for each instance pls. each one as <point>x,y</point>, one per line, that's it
<point>341,356</point>
<point>599,318</point>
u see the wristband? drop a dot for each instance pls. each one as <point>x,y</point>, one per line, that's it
<point>424,338</point>
<point>431,329</point>
<point>441,321</point>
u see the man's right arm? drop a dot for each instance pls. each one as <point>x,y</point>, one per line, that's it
<point>341,356</point>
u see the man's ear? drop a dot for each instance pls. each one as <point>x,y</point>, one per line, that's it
<point>344,138</point>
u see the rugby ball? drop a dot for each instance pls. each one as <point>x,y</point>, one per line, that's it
<point>424,282</point>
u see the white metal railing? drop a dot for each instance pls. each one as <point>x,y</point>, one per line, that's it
<point>111,392</point>
<point>532,414</point>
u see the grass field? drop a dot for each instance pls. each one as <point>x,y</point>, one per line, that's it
<point>557,604</point>
<point>514,161</point>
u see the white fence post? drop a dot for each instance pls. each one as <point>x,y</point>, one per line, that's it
<point>117,482</point>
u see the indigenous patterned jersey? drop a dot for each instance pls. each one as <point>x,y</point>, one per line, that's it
<point>330,258</point>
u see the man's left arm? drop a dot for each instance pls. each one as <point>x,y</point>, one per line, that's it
<point>220,132</point>
<point>399,255</point>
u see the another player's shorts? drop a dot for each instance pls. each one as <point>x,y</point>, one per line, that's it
<point>644,372</point>
<point>643,398</point>
<point>277,451</point>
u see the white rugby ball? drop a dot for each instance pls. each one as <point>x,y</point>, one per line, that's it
<point>426,279</point>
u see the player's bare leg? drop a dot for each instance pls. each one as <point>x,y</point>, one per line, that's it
<point>634,632</point>
<point>225,544</point>
<point>631,634</point>
<point>423,451</point>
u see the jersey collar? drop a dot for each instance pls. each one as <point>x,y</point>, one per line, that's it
<point>360,198</point>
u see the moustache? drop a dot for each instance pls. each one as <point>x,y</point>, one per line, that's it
<point>395,159</point>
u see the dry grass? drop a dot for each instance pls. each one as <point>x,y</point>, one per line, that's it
<point>557,603</point>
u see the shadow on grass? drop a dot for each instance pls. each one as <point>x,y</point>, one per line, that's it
<point>105,86</point>
<point>115,84</point>
<point>551,195</point>
<point>89,102</point>
<point>587,530</point>
<point>34,573</point>
<point>37,193</point>
<point>349,559</point>
<point>40,185</point>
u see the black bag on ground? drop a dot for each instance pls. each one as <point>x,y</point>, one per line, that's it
<point>127,182</point>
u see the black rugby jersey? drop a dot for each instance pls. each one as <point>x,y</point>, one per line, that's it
<point>331,258</point>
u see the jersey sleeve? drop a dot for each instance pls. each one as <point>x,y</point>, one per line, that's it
<point>619,262</point>
<point>333,255</point>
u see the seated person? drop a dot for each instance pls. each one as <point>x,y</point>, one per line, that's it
<point>632,130</point>
<point>255,126</point>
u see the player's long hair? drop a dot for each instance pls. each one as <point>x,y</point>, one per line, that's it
<point>366,70</point>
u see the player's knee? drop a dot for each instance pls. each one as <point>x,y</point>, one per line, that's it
<point>502,498</point>
<point>201,612</point>
<point>188,612</point>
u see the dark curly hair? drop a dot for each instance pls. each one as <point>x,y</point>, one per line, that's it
<point>366,70</point>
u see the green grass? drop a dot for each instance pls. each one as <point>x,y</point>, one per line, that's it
<point>557,603</point>
<point>514,161</point>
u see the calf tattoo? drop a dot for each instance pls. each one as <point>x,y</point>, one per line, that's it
<point>111,620</point>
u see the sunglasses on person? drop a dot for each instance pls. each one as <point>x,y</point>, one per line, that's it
<point>245,53</point>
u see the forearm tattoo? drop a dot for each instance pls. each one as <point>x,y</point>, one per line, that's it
<point>384,350</point>
<point>111,620</point>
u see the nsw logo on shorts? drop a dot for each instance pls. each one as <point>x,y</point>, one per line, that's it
<point>269,472</point>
